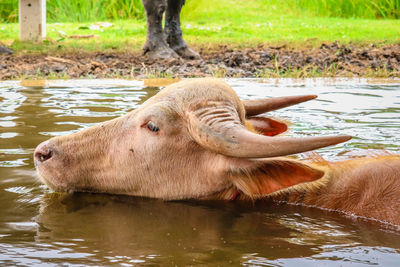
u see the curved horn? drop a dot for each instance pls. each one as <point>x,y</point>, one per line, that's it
<point>221,131</point>
<point>258,106</point>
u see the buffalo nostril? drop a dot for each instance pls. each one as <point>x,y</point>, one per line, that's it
<point>43,152</point>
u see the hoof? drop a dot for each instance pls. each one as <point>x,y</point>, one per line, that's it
<point>5,50</point>
<point>187,53</point>
<point>160,53</point>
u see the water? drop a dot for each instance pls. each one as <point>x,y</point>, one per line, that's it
<point>38,227</point>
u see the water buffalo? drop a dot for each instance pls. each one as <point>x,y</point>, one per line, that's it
<point>167,43</point>
<point>197,140</point>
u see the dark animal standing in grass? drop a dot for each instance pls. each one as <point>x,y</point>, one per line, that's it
<point>197,140</point>
<point>167,43</point>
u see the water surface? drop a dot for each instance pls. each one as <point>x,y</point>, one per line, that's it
<point>44,228</point>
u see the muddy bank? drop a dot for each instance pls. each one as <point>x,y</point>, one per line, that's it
<point>326,60</point>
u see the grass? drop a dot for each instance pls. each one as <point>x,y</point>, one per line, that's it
<point>92,10</point>
<point>79,10</point>
<point>243,24</point>
<point>309,71</point>
<point>370,9</point>
<point>236,23</point>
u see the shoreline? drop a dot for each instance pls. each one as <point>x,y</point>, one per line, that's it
<point>326,60</point>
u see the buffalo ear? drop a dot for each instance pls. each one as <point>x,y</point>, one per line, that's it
<point>266,126</point>
<point>263,177</point>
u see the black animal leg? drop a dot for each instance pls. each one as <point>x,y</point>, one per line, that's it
<point>173,30</point>
<point>156,46</point>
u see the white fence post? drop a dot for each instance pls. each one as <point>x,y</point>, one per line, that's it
<point>32,20</point>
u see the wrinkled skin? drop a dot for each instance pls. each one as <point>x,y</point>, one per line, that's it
<point>195,140</point>
<point>124,156</point>
<point>167,43</point>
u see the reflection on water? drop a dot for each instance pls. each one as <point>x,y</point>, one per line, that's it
<point>37,226</point>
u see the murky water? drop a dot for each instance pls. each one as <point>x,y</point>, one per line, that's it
<point>44,228</point>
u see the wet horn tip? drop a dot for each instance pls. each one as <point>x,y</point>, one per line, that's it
<point>343,138</point>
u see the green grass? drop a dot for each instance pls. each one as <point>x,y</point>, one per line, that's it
<point>79,10</point>
<point>237,23</point>
<point>92,10</point>
<point>347,8</point>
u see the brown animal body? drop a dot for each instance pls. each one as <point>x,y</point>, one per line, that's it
<point>368,187</point>
<point>197,140</point>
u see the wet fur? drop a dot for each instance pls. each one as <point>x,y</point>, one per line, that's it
<point>122,156</point>
<point>366,187</point>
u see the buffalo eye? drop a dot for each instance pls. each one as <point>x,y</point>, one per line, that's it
<point>152,126</point>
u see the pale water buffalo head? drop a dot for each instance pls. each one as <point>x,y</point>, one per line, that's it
<point>194,139</point>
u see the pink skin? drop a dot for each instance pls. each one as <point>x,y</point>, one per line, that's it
<point>124,156</point>
<point>127,156</point>
<point>190,142</point>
